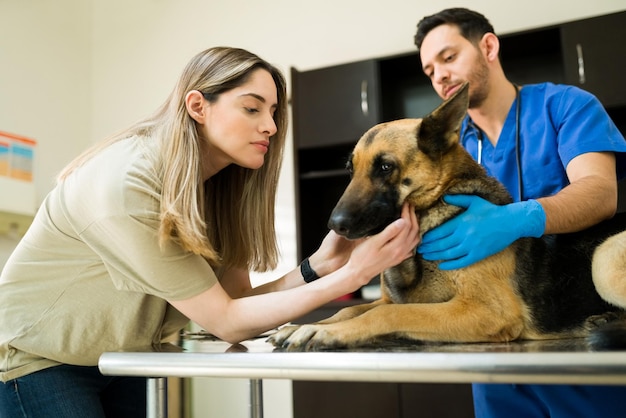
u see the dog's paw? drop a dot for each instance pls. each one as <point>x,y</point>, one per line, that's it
<point>600,320</point>
<point>307,338</point>
<point>279,337</point>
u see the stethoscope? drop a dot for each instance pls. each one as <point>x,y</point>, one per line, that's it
<point>518,159</point>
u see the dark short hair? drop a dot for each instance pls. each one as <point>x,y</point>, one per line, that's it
<point>472,25</point>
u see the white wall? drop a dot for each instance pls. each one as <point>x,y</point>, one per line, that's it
<point>45,80</point>
<point>73,71</point>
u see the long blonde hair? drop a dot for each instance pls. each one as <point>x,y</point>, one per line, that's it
<point>229,219</point>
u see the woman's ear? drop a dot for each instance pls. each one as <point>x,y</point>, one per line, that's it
<point>490,46</point>
<point>194,102</point>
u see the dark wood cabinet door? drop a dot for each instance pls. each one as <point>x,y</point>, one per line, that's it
<point>436,400</point>
<point>346,400</point>
<point>594,52</point>
<point>381,400</point>
<point>533,56</point>
<point>334,105</point>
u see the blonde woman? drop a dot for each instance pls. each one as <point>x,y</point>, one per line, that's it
<point>160,225</point>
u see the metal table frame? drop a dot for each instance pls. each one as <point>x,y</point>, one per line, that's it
<point>535,362</point>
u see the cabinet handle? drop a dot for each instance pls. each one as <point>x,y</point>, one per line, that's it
<point>364,106</point>
<point>581,64</point>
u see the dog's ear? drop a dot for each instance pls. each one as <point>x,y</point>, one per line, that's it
<point>439,130</point>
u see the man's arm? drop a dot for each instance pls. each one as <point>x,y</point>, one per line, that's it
<point>590,198</point>
<point>484,229</point>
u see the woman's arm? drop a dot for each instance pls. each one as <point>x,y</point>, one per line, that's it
<point>332,254</point>
<point>237,319</point>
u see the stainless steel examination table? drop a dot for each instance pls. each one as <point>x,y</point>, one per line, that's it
<point>200,355</point>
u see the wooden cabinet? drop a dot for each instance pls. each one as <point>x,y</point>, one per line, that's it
<point>321,179</point>
<point>533,56</point>
<point>381,400</point>
<point>334,105</point>
<point>594,54</point>
<point>332,108</point>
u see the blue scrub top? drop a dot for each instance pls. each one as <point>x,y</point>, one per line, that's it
<point>557,123</point>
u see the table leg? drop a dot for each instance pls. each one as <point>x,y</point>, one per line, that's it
<point>157,397</point>
<point>256,398</point>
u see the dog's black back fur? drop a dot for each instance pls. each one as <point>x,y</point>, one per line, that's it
<point>555,276</point>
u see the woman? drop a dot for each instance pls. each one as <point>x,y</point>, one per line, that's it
<point>158,225</point>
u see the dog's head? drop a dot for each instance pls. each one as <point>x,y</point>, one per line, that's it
<point>414,160</point>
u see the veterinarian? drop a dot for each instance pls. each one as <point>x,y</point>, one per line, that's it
<point>558,153</point>
<point>158,225</point>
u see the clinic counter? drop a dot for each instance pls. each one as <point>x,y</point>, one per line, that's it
<point>201,355</point>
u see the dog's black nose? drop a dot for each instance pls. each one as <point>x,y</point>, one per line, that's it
<point>338,222</point>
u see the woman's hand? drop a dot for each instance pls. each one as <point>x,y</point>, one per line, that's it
<point>333,253</point>
<point>389,248</point>
<point>335,250</point>
<point>278,302</point>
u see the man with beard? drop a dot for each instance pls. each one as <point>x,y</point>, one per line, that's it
<point>558,153</point>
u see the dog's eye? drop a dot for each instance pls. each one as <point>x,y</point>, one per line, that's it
<point>383,165</point>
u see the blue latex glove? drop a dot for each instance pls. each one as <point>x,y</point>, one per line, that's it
<point>482,230</point>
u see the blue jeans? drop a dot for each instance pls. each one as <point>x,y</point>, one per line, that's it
<point>73,392</point>
<point>549,401</point>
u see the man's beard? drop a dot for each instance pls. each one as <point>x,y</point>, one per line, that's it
<point>478,80</point>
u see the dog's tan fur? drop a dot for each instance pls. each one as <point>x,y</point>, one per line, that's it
<point>419,161</point>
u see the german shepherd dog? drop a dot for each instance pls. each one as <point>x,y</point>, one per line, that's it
<point>537,288</point>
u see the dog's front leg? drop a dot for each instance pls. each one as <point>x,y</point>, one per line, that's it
<point>454,321</point>
<point>280,337</point>
<point>352,311</point>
